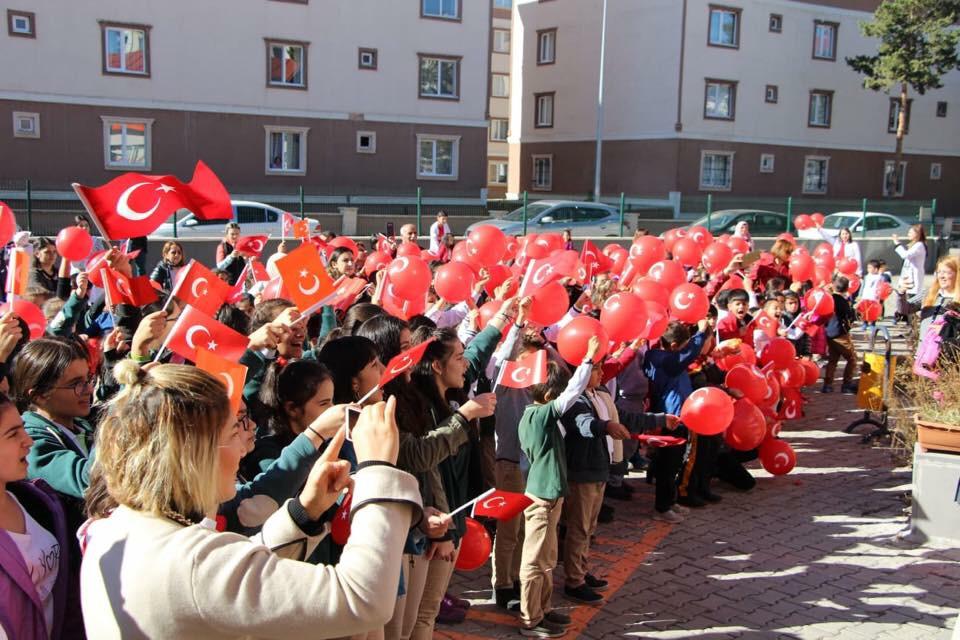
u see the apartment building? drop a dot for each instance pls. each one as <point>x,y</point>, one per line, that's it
<point>499,105</point>
<point>737,97</point>
<point>358,97</point>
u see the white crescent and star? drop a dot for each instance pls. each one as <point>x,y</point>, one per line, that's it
<point>193,330</point>
<point>494,502</point>
<point>520,374</point>
<point>541,273</point>
<point>402,263</point>
<point>229,383</point>
<point>683,305</point>
<point>402,365</point>
<point>312,289</point>
<point>126,211</point>
<point>122,288</point>
<point>196,291</point>
<point>656,272</point>
<point>786,460</point>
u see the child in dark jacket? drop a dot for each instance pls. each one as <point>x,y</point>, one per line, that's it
<point>838,339</point>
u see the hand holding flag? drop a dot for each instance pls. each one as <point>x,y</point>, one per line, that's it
<point>526,371</point>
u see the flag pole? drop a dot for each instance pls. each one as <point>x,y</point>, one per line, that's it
<point>86,205</point>
<point>472,502</point>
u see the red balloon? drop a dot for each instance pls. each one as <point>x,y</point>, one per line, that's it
<point>700,235</point>
<point>8,224</point>
<point>748,428</point>
<point>733,282</point>
<point>789,237</point>
<point>344,241</point>
<point>689,303</point>
<point>811,372</point>
<point>739,245</point>
<point>657,321</point>
<point>707,411</point>
<point>869,310</point>
<point>376,261</point>
<point>532,249</point>
<point>746,356</point>
<point>792,376</point>
<point>884,289</point>
<point>802,222</point>
<point>823,249</point>
<point>779,351</point>
<point>801,267</point>
<point>487,244</point>
<point>410,277</point>
<point>340,527</point>
<point>550,241</point>
<point>668,273</point>
<point>821,275</point>
<point>854,285</point>
<point>792,406</point>
<point>827,262</point>
<point>687,251</point>
<point>475,546</point>
<point>454,282</point>
<point>409,249</point>
<point>847,266</point>
<point>618,255</point>
<point>498,274</point>
<point>777,457</point>
<point>717,257</point>
<point>573,338</point>
<point>820,302</point>
<point>31,314</point>
<point>487,311</point>
<point>645,251</point>
<point>74,243</point>
<point>549,304</point>
<point>773,392</point>
<point>513,245</point>
<point>748,380</point>
<point>670,236</point>
<point>624,316</point>
<point>648,289</point>
<point>461,254</point>
<point>818,219</point>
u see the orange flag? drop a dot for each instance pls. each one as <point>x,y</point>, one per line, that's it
<point>305,278</point>
<point>18,272</point>
<point>231,374</point>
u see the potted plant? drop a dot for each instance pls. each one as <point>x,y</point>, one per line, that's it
<point>936,404</point>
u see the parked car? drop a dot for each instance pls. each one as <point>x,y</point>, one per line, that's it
<point>584,219</point>
<point>878,225</point>
<point>255,218</point>
<point>762,223</point>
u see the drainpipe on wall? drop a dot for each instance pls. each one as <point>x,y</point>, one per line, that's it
<point>603,50</point>
<point>678,125</point>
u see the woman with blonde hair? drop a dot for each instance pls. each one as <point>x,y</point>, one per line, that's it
<point>944,293</point>
<point>775,264</point>
<point>155,566</point>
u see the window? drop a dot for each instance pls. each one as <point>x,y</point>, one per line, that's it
<point>502,4</point>
<point>936,169</point>
<point>366,142</point>
<point>126,49</point>
<point>367,58</point>
<point>825,40</point>
<point>500,86</point>
<point>21,24</point>
<point>815,174</point>
<point>772,94</point>
<point>716,170</point>
<point>724,27</point>
<point>438,157</point>
<point>893,184</point>
<point>286,150</point>
<point>497,173</point>
<point>250,215</point>
<point>286,64</point>
<point>720,100</point>
<point>542,172</point>
<point>26,125</point>
<point>126,142</point>
<point>589,214</point>
<point>821,108</point>
<point>766,162</point>
<point>442,9</point>
<point>439,77</point>
<point>776,23</point>
<point>941,109</point>
<point>893,116</point>
<point>547,46</point>
<point>499,129</point>
<point>501,40</point>
<point>543,112</point>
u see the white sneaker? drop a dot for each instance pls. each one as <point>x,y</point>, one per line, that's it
<point>679,508</point>
<point>668,516</point>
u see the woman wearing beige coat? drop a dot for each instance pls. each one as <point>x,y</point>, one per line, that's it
<point>168,452</point>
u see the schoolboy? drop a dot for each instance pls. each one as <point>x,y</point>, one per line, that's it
<point>734,323</point>
<point>839,343</point>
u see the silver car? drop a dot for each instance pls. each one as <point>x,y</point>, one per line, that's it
<point>878,225</point>
<point>254,218</point>
<point>584,219</point>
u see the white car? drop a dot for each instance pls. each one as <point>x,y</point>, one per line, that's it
<point>878,225</point>
<point>254,218</point>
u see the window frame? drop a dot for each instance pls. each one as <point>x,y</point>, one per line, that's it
<point>902,187</point>
<point>490,128</point>
<point>31,115</point>
<point>304,46</point>
<point>733,98</point>
<point>836,40</point>
<point>534,185</point>
<point>107,121</point>
<point>455,161</point>
<point>775,18</point>
<point>941,113</point>
<point>31,17</point>
<point>105,26</point>
<point>936,170</point>
<point>270,129</point>
<point>494,163</point>
<point>457,18</point>
<point>716,152</point>
<point>536,109</point>
<point>541,33</point>
<point>371,52</point>
<point>764,167</point>
<point>373,142</point>
<point>493,77</point>
<point>892,119</point>
<point>441,57</point>
<point>493,43</point>
<point>767,93</point>
<point>736,11</point>
<point>826,173</point>
<point>829,95</point>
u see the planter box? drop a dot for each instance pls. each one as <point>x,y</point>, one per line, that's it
<point>936,491</point>
<point>934,436</point>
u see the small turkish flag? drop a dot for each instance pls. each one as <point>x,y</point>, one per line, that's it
<point>301,229</point>
<point>232,374</point>
<point>275,289</point>
<point>593,260</point>
<point>195,329</point>
<point>346,291</point>
<point>383,244</point>
<point>259,271</point>
<point>340,527</point>
<point>251,245</point>
<point>766,323</point>
<point>404,362</point>
<point>501,505</point>
<point>287,222</point>
<point>119,289</point>
<point>198,286</point>
<point>544,271</point>
<point>525,371</point>
<point>135,204</point>
<point>305,278</point>
<point>18,272</point>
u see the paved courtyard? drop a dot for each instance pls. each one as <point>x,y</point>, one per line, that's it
<point>813,554</point>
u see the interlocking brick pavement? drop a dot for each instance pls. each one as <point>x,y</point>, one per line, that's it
<point>813,554</point>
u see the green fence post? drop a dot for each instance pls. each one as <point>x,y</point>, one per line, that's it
<point>524,213</point>
<point>176,217</point>
<point>709,209</point>
<point>29,207</point>
<point>789,212</point>
<point>863,219</point>
<point>933,216</point>
<point>419,209</point>
<point>302,214</point>
<point>621,213</point>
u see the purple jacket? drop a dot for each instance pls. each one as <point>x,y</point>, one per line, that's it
<point>21,612</point>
